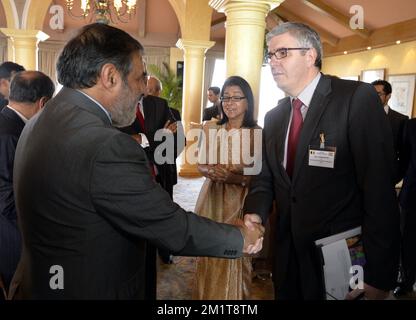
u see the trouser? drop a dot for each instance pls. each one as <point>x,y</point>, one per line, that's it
<point>408,246</point>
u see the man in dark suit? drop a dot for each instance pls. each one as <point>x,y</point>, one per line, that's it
<point>407,200</point>
<point>29,91</point>
<point>342,121</point>
<point>155,116</point>
<point>7,70</point>
<point>215,110</point>
<point>396,119</point>
<point>85,198</point>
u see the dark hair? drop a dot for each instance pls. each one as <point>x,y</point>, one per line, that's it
<point>81,60</point>
<point>386,85</point>
<point>30,86</point>
<point>215,90</point>
<point>8,68</point>
<point>248,120</point>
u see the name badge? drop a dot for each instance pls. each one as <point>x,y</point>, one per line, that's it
<point>322,157</point>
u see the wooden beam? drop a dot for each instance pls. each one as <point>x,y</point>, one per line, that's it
<point>290,16</point>
<point>335,15</point>
<point>403,31</point>
<point>141,12</point>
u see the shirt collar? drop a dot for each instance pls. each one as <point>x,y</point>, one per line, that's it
<point>99,104</point>
<point>306,95</point>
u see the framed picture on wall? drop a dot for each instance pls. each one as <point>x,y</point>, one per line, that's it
<point>372,75</point>
<point>403,92</point>
<point>355,78</point>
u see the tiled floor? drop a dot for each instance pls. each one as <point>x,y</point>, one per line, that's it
<point>175,280</point>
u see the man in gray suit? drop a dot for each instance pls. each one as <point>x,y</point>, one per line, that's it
<point>328,163</point>
<point>85,196</point>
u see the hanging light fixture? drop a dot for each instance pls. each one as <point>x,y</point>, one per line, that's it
<point>105,11</point>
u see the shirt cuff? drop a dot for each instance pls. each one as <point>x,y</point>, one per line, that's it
<point>145,142</point>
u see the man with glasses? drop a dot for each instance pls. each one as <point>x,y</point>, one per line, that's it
<point>328,164</point>
<point>396,119</point>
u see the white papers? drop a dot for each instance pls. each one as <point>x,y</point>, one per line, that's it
<point>336,269</point>
<point>338,257</point>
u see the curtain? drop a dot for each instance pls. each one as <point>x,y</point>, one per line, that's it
<point>48,54</point>
<point>156,56</point>
<point>209,72</point>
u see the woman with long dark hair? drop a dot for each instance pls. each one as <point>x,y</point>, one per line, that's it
<point>222,161</point>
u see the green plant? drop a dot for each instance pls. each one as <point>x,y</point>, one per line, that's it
<point>171,85</point>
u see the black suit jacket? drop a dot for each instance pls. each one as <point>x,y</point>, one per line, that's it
<point>319,202</point>
<point>397,122</point>
<point>11,127</point>
<point>408,162</point>
<point>156,113</point>
<point>210,112</point>
<point>3,102</point>
<point>86,202</point>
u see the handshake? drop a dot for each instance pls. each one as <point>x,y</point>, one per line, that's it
<point>252,232</point>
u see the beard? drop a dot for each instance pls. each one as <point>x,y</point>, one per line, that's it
<point>123,112</point>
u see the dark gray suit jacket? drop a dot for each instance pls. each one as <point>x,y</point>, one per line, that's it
<point>397,122</point>
<point>319,202</point>
<point>408,163</point>
<point>11,127</point>
<point>86,201</point>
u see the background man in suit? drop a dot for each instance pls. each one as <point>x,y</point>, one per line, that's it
<point>7,70</point>
<point>215,110</point>
<point>85,198</point>
<point>154,114</point>
<point>397,121</point>
<point>314,201</point>
<point>29,91</point>
<point>407,200</point>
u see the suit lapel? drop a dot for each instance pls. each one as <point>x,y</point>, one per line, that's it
<point>281,122</point>
<point>319,102</point>
<point>149,109</point>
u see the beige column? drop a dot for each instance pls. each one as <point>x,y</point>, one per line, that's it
<point>244,39</point>
<point>24,46</point>
<point>193,79</point>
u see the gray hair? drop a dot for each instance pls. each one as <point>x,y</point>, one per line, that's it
<point>305,35</point>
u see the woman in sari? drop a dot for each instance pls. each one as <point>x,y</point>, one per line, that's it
<point>224,149</point>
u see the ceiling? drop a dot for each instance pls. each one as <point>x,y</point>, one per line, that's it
<point>385,22</point>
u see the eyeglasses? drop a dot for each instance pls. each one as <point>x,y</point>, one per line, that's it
<point>380,94</point>
<point>281,53</point>
<point>232,99</point>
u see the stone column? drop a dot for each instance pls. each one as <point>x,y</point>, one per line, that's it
<point>24,46</point>
<point>244,39</point>
<point>193,79</point>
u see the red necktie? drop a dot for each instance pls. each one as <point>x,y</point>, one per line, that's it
<point>294,134</point>
<point>140,118</point>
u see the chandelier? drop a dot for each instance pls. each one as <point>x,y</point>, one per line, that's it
<point>105,11</point>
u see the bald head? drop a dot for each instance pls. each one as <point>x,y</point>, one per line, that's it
<point>154,86</point>
<point>29,91</point>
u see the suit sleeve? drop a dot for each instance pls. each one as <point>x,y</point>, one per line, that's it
<point>124,193</point>
<point>7,150</point>
<point>261,192</point>
<point>372,149</point>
